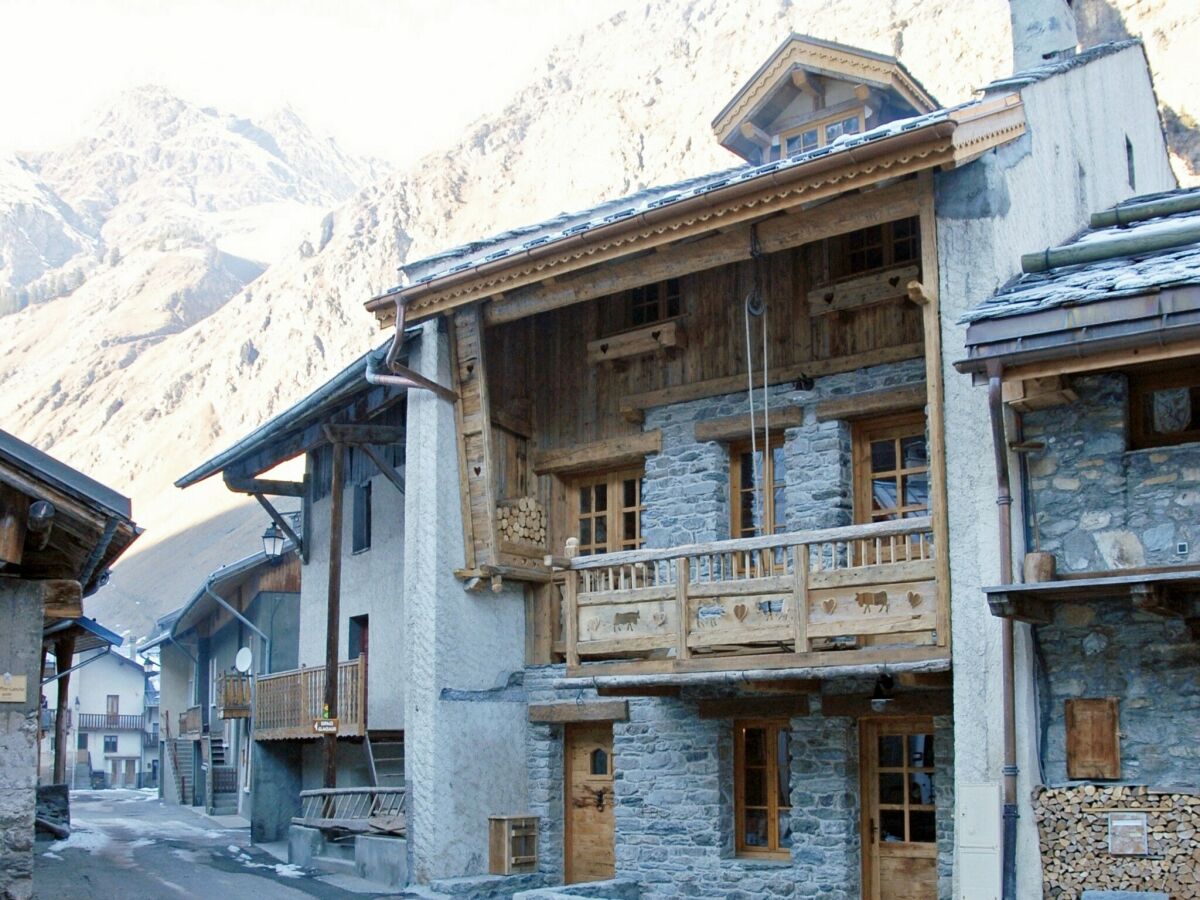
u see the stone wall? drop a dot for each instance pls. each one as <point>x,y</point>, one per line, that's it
<point>1073,828</point>
<point>1149,663</point>
<point>1099,505</point>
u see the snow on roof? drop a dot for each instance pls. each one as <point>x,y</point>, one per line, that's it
<point>567,225</point>
<point>1105,279</point>
<point>1018,80</point>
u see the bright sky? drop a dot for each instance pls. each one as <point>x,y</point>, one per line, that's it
<point>391,78</point>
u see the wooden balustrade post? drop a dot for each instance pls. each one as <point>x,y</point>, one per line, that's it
<point>800,598</point>
<point>571,600</point>
<point>682,575</point>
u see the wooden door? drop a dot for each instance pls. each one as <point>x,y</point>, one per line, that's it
<point>899,830</point>
<point>589,802</point>
<point>112,709</point>
<point>131,773</point>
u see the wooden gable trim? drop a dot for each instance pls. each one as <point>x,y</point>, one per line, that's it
<point>611,453</point>
<point>564,711</point>
<point>736,428</point>
<point>859,406</point>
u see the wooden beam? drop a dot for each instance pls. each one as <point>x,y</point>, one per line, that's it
<point>943,680</point>
<point>732,428</point>
<point>1021,608</point>
<point>281,523</point>
<point>263,486</point>
<point>815,223</point>
<point>753,133</point>
<point>754,707</point>
<point>874,403</point>
<point>64,651</point>
<point>1154,598</point>
<point>384,467</point>
<point>62,598</point>
<point>579,711</point>
<point>1038,393</point>
<point>364,434</point>
<point>1112,359</point>
<point>14,512</point>
<point>919,703</point>
<point>732,384</point>
<point>784,686</point>
<point>646,690</point>
<point>612,452</point>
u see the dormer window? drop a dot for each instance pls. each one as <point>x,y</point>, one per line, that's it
<point>819,134</point>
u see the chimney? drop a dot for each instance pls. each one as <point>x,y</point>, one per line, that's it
<point>1042,31</point>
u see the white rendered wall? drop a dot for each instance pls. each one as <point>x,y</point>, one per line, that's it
<point>465,751</point>
<point>1019,199</point>
<point>372,585</point>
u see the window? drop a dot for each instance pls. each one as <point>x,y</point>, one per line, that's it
<point>358,636</point>
<point>81,741</point>
<point>599,762</point>
<point>907,812</point>
<point>891,469</point>
<point>878,247</point>
<point>361,538</point>
<point>1164,407</point>
<point>753,512</point>
<point>113,705</point>
<point>653,303</point>
<point>608,512</point>
<point>1129,170</point>
<point>110,743</point>
<point>822,133</point>
<point>762,792</point>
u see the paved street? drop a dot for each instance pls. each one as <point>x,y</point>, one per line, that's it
<point>129,845</point>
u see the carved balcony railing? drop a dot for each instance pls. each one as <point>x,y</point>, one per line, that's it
<point>105,722</point>
<point>830,597</point>
<point>233,692</point>
<point>287,703</point>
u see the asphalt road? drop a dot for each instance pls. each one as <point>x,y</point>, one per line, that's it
<point>129,845</point>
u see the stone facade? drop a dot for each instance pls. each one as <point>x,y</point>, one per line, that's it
<point>1149,663</point>
<point>1099,505</point>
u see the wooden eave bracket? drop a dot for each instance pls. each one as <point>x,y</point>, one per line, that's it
<point>1020,608</point>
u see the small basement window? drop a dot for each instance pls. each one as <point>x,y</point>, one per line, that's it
<point>1164,408</point>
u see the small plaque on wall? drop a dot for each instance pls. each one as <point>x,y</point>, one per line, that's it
<point>13,688</point>
<point>1127,834</point>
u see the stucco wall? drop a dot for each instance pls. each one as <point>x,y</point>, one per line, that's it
<point>1028,195</point>
<point>372,585</point>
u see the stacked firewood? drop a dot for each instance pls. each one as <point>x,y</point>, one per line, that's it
<point>522,521</point>
<point>1073,824</point>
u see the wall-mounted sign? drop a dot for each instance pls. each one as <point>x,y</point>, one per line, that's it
<point>13,688</point>
<point>325,726</point>
<point>1127,834</point>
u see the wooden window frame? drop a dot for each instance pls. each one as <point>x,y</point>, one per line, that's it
<point>116,745</point>
<point>614,513</point>
<point>840,268</point>
<point>1141,386</point>
<point>736,492</point>
<point>360,529</point>
<point>664,292</point>
<point>858,112</point>
<point>863,433</point>
<point>773,727</point>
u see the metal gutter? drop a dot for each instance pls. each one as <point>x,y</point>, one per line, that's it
<point>225,573</point>
<point>868,150</point>
<point>237,615</point>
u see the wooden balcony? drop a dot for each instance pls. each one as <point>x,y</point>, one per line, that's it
<point>233,692</point>
<point>190,722</point>
<point>105,722</point>
<point>813,599</point>
<point>287,703</point>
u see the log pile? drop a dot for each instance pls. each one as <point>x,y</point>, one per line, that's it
<point>1073,829</point>
<point>522,521</point>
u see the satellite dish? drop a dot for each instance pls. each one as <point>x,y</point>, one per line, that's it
<point>242,661</point>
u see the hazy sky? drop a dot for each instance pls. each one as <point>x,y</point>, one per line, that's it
<point>393,78</point>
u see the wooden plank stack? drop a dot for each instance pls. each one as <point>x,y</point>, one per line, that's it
<point>522,521</point>
<point>1073,829</point>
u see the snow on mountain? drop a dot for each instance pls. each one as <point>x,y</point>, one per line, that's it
<point>188,342</point>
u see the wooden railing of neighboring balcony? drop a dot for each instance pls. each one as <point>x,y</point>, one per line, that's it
<point>233,692</point>
<point>863,592</point>
<point>287,703</point>
<point>105,722</point>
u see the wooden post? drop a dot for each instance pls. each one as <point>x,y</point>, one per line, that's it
<point>800,597</point>
<point>571,614</point>
<point>334,608</point>
<point>14,510</point>
<point>64,651</point>
<point>682,651</point>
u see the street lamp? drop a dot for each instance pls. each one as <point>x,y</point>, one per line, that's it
<point>273,541</point>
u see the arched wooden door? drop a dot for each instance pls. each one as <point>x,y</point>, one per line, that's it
<point>588,841</point>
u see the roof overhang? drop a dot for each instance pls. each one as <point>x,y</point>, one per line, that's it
<point>799,52</point>
<point>962,136</point>
<point>1087,336</point>
<point>88,633</point>
<point>201,605</point>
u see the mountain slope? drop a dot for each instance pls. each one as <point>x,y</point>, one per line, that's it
<point>170,375</point>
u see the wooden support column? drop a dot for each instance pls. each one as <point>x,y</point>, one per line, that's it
<point>334,611</point>
<point>64,652</point>
<point>571,612</point>
<point>800,597</point>
<point>682,574</point>
<point>14,509</point>
<point>925,293</point>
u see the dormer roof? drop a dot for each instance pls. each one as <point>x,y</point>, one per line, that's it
<point>805,66</point>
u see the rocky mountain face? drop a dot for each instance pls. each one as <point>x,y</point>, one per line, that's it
<point>202,311</point>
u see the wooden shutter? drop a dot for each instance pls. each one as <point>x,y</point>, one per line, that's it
<point>1093,742</point>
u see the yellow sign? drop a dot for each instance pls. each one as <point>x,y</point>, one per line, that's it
<point>13,688</point>
<point>325,726</point>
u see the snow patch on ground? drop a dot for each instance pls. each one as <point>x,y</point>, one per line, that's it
<point>82,839</point>
<point>288,870</point>
<point>49,855</point>
<point>142,842</point>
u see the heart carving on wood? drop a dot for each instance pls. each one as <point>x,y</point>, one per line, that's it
<point>829,604</point>
<point>740,611</point>
<point>659,619</point>
<point>914,599</point>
